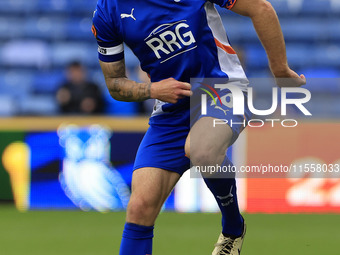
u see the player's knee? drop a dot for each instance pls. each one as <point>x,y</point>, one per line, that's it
<point>201,156</point>
<point>140,211</point>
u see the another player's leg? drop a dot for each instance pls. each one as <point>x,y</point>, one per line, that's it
<point>150,188</point>
<point>211,151</point>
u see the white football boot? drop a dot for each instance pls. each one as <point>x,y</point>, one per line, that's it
<point>228,245</point>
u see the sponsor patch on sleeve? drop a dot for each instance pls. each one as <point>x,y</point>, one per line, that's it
<point>230,4</point>
<point>94,30</point>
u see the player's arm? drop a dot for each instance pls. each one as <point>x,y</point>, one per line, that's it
<point>123,89</point>
<point>120,87</point>
<point>267,26</point>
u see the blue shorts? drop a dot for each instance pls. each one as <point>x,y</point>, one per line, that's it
<point>163,144</point>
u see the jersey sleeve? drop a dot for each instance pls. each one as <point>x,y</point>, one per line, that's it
<point>110,44</point>
<point>228,4</point>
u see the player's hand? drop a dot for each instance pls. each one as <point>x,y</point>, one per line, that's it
<point>289,78</point>
<point>170,90</point>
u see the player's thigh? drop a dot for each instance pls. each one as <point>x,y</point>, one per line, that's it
<point>150,188</point>
<point>205,140</point>
<point>153,184</point>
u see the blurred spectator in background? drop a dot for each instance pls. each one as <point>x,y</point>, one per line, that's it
<point>78,95</point>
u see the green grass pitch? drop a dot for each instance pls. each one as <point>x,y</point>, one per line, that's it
<point>93,233</point>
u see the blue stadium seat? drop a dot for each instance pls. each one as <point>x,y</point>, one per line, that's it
<point>322,80</point>
<point>260,73</point>
<point>17,6</point>
<point>65,52</point>
<point>84,7</point>
<point>79,29</point>
<point>305,30</point>
<point>255,57</point>
<point>25,53</point>
<point>96,75</point>
<point>321,72</point>
<point>299,55</point>
<point>38,105</point>
<point>45,27</point>
<point>65,6</point>
<point>130,59</point>
<point>16,82</point>
<point>11,27</point>
<point>47,82</point>
<point>52,6</point>
<point>239,29</point>
<point>8,106</point>
<point>333,29</point>
<point>74,7</point>
<point>324,86</point>
<point>303,7</point>
<point>281,7</point>
<point>317,7</point>
<point>327,55</point>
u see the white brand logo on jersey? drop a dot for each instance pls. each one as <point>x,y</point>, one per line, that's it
<point>102,50</point>
<point>124,15</point>
<point>170,40</point>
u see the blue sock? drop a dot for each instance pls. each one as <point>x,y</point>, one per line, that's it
<point>224,191</point>
<point>137,240</point>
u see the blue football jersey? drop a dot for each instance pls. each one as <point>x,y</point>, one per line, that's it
<point>182,39</point>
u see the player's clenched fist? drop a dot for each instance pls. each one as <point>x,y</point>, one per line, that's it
<point>170,90</point>
<point>289,78</point>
